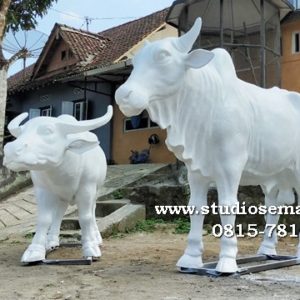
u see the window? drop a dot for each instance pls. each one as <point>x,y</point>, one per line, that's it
<point>67,108</point>
<point>66,55</point>
<point>63,55</point>
<point>46,111</point>
<point>141,121</point>
<point>296,42</point>
<point>80,110</point>
<point>34,112</point>
<point>77,108</point>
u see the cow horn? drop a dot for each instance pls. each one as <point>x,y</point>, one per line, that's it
<point>81,126</point>
<point>14,125</point>
<point>186,41</point>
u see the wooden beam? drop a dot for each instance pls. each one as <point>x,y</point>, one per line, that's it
<point>262,45</point>
<point>221,23</point>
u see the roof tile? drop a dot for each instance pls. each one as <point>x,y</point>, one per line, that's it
<point>125,36</point>
<point>93,49</point>
<point>83,44</point>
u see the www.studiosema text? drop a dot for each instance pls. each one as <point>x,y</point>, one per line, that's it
<point>238,209</point>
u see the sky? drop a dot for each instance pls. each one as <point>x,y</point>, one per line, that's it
<point>102,14</point>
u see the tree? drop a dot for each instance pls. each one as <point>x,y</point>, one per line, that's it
<point>16,15</point>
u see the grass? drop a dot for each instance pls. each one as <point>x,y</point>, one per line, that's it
<point>182,226</point>
<point>15,242</point>
<point>179,226</point>
<point>29,235</point>
<point>147,225</point>
<point>118,194</point>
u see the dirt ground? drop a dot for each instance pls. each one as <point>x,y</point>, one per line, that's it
<point>136,266</point>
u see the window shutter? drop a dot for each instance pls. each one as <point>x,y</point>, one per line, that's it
<point>67,108</point>
<point>87,110</point>
<point>50,110</point>
<point>34,112</point>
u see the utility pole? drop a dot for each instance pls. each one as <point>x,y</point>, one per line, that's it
<point>88,21</point>
<point>262,45</point>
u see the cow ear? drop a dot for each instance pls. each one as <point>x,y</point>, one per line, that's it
<point>82,142</point>
<point>198,58</point>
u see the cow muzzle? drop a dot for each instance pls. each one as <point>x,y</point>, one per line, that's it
<point>131,102</point>
<point>18,158</point>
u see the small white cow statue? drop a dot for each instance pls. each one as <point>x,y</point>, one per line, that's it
<point>226,131</point>
<point>67,166</point>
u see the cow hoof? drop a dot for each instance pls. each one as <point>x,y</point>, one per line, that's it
<point>227,265</point>
<point>264,250</point>
<point>191,262</point>
<point>91,250</point>
<point>33,253</point>
<point>99,239</point>
<point>52,244</point>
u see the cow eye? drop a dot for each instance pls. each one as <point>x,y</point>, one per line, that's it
<point>45,130</point>
<point>162,55</point>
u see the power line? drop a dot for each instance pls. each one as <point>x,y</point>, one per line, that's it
<point>112,18</point>
<point>89,18</point>
<point>67,14</point>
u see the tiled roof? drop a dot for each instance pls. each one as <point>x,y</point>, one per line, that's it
<point>125,36</point>
<point>85,45</point>
<point>291,17</point>
<point>92,50</point>
<point>21,78</point>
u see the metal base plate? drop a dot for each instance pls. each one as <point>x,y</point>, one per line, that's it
<point>63,262</point>
<point>273,262</point>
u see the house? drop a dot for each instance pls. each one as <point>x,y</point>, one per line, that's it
<point>248,30</point>
<point>78,72</point>
<point>290,60</point>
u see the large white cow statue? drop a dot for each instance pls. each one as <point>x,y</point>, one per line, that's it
<point>67,167</point>
<point>225,130</point>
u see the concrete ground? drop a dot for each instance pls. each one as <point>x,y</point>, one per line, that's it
<point>134,266</point>
<point>139,266</point>
<point>18,212</point>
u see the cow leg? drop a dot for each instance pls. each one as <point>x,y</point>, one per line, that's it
<point>268,245</point>
<point>37,249</point>
<point>227,186</point>
<point>85,199</point>
<point>298,193</point>
<point>98,236</point>
<point>58,213</point>
<point>192,257</point>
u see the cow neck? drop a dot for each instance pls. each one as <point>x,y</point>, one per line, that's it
<point>189,117</point>
<point>60,173</point>
<point>162,111</point>
<point>198,96</point>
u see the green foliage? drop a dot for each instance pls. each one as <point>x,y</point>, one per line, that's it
<point>147,225</point>
<point>15,242</point>
<point>118,194</point>
<point>22,14</point>
<point>118,235</point>
<point>29,235</point>
<point>182,225</point>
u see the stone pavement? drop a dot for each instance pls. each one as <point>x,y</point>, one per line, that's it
<point>18,212</point>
